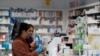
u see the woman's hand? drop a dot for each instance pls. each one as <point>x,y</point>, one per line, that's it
<point>33,44</point>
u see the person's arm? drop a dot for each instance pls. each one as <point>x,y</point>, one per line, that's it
<point>19,50</point>
<point>33,46</point>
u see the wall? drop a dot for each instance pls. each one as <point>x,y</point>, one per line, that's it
<point>21,3</point>
<point>55,4</point>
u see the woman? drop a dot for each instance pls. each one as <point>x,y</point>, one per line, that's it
<point>20,46</point>
<point>33,44</point>
<point>30,40</point>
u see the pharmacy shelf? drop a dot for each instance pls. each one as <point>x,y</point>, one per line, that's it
<point>23,17</point>
<point>2,48</point>
<point>3,32</point>
<point>40,25</point>
<point>85,6</point>
<point>4,9</point>
<point>82,10</point>
<point>74,17</point>
<point>48,25</point>
<point>5,49</point>
<point>4,15</point>
<point>5,24</point>
<point>45,33</point>
<point>51,17</point>
<point>5,21</point>
<point>37,17</point>
<point>2,40</point>
<point>38,9</point>
<point>90,14</point>
<point>92,24</point>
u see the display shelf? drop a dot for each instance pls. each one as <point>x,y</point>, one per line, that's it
<point>23,17</point>
<point>4,29</point>
<point>2,48</point>
<point>51,17</point>
<point>94,14</point>
<point>74,17</point>
<point>45,33</point>
<point>92,24</point>
<point>42,18</point>
<point>88,14</point>
<point>44,14</point>
<point>5,24</point>
<point>48,25</point>
<point>35,17</point>
<point>3,32</point>
<point>5,49</point>
<point>38,9</point>
<point>2,40</point>
<point>91,14</point>
<point>7,16</point>
<point>4,9</point>
<point>90,10</point>
<point>86,6</point>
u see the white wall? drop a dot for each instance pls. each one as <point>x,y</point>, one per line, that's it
<point>55,4</point>
<point>21,3</point>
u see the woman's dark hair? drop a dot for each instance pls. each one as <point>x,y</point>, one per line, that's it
<point>30,25</point>
<point>18,28</point>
